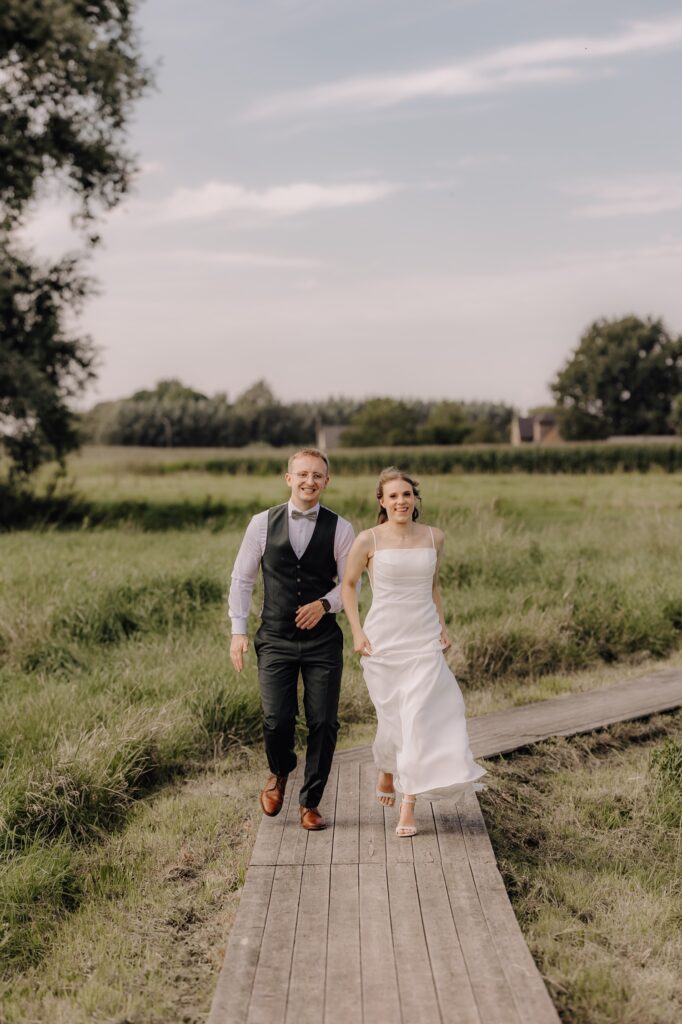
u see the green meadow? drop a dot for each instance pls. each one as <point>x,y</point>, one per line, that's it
<point>117,696</point>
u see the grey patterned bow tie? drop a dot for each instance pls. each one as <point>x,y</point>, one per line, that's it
<point>295,514</point>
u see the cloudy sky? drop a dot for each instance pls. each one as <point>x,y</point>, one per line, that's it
<point>429,198</point>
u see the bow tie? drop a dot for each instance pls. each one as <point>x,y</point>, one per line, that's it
<point>295,514</point>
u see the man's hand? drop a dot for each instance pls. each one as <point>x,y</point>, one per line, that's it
<point>239,645</point>
<point>308,615</point>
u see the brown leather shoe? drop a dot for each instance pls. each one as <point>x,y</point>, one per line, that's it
<point>272,796</point>
<point>311,819</point>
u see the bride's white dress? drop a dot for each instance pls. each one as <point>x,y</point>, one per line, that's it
<point>421,728</point>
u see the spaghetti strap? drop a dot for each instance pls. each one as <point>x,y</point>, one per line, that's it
<point>433,543</point>
<point>374,538</point>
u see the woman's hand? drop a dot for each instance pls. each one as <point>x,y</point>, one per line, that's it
<point>361,645</point>
<point>445,641</point>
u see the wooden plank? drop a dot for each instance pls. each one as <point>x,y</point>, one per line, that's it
<point>479,848</point>
<point>235,982</point>
<point>268,998</point>
<point>530,994</point>
<point>415,979</point>
<point>372,835</point>
<point>452,848</point>
<point>380,1000</point>
<point>453,988</point>
<point>343,990</point>
<point>309,962</point>
<point>292,849</point>
<point>502,731</point>
<point>346,830</point>
<point>319,846</point>
<point>398,848</point>
<point>425,843</point>
<point>270,830</point>
<point>492,992</point>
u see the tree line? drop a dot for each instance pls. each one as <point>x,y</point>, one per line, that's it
<point>173,414</point>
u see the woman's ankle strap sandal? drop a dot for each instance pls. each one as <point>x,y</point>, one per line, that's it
<point>405,831</point>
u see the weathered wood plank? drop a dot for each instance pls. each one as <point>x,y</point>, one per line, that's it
<point>268,998</point>
<point>530,995</point>
<point>425,843</point>
<point>398,848</point>
<point>415,978</point>
<point>346,831</point>
<point>453,987</point>
<point>270,831</point>
<point>309,962</point>
<point>319,846</point>
<point>452,848</point>
<point>492,992</point>
<point>479,848</point>
<point>380,1000</point>
<point>343,993</point>
<point>372,835</point>
<point>233,992</point>
<point>502,731</point>
<point>292,849</point>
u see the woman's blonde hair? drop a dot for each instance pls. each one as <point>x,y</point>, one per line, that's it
<point>393,473</point>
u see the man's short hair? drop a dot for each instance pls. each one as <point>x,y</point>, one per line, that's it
<point>309,451</point>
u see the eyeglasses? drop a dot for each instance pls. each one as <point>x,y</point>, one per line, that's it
<point>317,477</point>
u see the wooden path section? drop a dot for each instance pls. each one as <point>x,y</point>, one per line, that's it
<point>354,924</point>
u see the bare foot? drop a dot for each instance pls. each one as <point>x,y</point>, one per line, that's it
<point>385,785</point>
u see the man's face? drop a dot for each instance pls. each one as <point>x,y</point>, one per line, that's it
<point>307,479</point>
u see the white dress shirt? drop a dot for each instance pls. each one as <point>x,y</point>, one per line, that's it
<point>247,563</point>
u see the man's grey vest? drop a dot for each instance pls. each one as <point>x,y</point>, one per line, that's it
<point>289,581</point>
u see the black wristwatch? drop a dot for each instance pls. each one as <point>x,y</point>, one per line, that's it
<point>325,604</point>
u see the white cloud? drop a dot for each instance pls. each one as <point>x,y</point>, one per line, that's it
<point>527,63</point>
<point>629,196</point>
<point>247,260</point>
<point>216,198</point>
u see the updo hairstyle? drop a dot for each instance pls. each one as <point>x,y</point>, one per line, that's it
<point>393,473</point>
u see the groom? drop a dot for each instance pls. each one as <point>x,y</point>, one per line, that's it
<point>302,548</point>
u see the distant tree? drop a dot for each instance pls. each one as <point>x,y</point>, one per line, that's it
<point>620,380</point>
<point>676,414</point>
<point>382,421</point>
<point>69,74</point>
<point>169,391</point>
<point>447,423</point>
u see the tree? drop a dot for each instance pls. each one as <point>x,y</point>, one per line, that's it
<point>382,421</point>
<point>676,414</point>
<point>69,74</point>
<point>447,423</point>
<point>42,366</point>
<point>621,380</point>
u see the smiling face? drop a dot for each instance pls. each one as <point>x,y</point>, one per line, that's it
<point>307,478</point>
<point>398,499</point>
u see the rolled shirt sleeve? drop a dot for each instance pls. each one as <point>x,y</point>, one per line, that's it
<point>343,542</point>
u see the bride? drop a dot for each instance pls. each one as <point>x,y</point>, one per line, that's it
<point>421,746</point>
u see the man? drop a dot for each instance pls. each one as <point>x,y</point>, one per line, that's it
<point>301,547</point>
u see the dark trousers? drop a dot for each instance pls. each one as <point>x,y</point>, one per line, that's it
<point>319,660</point>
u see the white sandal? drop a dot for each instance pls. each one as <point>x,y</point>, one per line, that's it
<point>404,831</point>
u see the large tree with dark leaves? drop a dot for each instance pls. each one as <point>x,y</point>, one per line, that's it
<point>70,72</point>
<point>622,379</point>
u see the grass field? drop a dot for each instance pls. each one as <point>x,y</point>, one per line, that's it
<point>115,686</point>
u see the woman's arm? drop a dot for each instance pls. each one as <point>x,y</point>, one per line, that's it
<point>439,538</point>
<point>358,560</point>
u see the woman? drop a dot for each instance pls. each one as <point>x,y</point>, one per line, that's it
<point>421,746</point>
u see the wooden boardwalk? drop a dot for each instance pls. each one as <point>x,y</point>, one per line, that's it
<point>354,924</point>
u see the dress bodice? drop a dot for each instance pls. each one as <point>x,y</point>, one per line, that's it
<point>402,575</point>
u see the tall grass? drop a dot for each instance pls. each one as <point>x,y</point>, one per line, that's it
<point>114,668</point>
